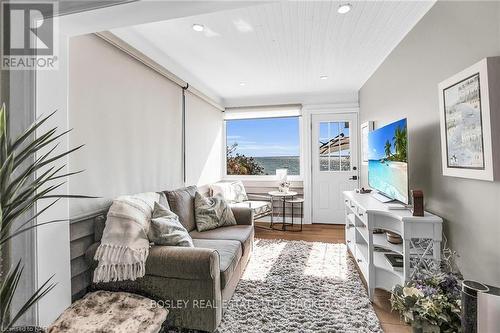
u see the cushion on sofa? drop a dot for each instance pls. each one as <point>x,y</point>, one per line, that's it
<point>163,200</point>
<point>242,233</point>
<point>231,191</point>
<point>164,260</point>
<point>230,253</point>
<point>211,213</point>
<point>181,202</point>
<point>165,228</point>
<point>258,207</point>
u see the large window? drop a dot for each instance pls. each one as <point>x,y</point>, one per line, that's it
<point>260,146</point>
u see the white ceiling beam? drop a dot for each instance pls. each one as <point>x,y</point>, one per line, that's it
<point>140,12</point>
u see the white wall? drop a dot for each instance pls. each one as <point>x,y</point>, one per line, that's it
<point>52,241</point>
<point>204,142</point>
<point>452,36</point>
<point>129,118</point>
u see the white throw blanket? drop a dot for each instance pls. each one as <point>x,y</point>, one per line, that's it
<point>125,246</point>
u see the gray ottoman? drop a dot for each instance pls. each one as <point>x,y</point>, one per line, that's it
<point>110,312</point>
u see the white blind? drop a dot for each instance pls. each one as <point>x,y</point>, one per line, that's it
<point>130,119</point>
<point>204,141</point>
<point>138,55</point>
<point>272,111</point>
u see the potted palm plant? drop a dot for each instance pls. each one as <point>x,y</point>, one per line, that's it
<point>26,178</point>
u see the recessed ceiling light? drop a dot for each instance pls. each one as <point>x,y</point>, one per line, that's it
<point>344,8</point>
<point>242,84</point>
<point>323,77</point>
<point>198,27</point>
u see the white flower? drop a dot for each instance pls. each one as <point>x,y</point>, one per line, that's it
<point>412,291</point>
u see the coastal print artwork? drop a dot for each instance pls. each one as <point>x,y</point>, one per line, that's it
<point>463,127</point>
<point>468,103</point>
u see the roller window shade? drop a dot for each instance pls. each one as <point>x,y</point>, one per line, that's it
<point>263,112</point>
<point>130,119</point>
<point>204,141</point>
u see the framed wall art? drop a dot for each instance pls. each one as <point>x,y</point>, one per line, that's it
<point>469,120</point>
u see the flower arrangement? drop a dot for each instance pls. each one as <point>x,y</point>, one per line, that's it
<point>431,301</point>
<point>284,186</point>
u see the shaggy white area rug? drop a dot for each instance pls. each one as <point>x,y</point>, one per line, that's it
<point>297,286</point>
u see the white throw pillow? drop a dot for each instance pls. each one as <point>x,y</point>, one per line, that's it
<point>232,192</point>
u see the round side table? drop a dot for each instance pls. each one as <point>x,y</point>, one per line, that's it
<point>293,202</point>
<point>282,196</point>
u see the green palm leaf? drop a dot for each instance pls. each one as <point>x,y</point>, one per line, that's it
<point>26,178</point>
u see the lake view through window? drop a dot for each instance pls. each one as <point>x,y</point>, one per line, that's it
<point>260,146</point>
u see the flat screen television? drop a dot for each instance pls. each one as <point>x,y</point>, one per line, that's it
<point>388,161</point>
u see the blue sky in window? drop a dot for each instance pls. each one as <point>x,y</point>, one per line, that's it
<point>330,130</point>
<point>264,137</point>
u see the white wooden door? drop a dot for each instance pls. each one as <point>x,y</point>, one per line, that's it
<point>334,164</point>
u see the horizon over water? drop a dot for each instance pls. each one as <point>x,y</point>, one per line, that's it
<point>271,163</point>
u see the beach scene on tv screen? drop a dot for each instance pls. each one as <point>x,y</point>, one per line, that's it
<point>388,161</point>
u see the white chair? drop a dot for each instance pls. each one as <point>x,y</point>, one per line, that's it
<point>234,192</point>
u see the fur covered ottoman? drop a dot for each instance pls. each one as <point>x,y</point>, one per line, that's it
<point>110,312</point>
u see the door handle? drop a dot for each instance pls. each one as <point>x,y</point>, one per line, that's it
<point>354,178</point>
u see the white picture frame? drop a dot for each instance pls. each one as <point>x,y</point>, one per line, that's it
<point>366,128</point>
<point>469,104</point>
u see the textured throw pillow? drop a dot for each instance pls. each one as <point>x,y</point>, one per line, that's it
<point>163,200</point>
<point>211,213</point>
<point>239,192</point>
<point>166,229</point>
<point>181,202</point>
<point>232,192</point>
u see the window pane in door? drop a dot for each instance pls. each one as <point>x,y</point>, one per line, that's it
<point>323,132</point>
<point>323,155</point>
<point>324,138</point>
<point>345,148</point>
<point>334,147</point>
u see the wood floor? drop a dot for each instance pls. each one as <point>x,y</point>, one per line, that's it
<point>335,234</point>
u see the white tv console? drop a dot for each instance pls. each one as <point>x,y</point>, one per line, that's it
<point>363,214</point>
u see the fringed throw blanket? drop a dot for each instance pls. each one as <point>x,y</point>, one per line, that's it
<point>125,246</point>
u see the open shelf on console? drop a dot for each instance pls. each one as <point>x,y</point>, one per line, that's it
<point>380,240</point>
<point>381,262</point>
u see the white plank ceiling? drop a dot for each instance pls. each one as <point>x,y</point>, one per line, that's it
<point>279,50</point>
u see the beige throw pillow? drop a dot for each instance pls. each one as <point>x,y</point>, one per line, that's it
<point>211,213</point>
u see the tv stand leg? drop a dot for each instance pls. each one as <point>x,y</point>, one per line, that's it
<point>436,251</point>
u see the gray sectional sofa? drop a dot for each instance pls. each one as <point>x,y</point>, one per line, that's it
<point>193,283</point>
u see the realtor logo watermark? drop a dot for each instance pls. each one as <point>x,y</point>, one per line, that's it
<point>29,35</point>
